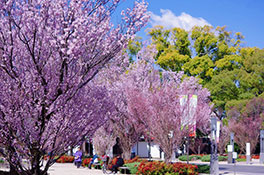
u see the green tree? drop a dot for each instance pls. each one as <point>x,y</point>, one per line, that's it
<point>133,47</point>
<point>236,86</point>
<point>203,52</point>
<point>172,46</point>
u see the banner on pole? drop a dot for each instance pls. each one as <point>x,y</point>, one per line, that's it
<point>189,105</point>
<point>248,149</point>
<point>218,124</point>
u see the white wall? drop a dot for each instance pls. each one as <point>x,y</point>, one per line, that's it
<point>143,148</point>
<point>154,150</point>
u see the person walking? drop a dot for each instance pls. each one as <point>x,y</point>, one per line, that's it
<point>78,158</point>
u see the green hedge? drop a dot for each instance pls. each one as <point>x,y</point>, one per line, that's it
<point>222,158</point>
<point>207,158</point>
<point>132,167</point>
<point>204,169</point>
<point>191,157</point>
<point>241,160</point>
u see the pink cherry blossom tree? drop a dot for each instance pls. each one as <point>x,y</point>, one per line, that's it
<point>148,102</point>
<point>246,123</point>
<point>49,53</point>
<point>121,83</point>
<point>166,120</point>
<point>224,138</point>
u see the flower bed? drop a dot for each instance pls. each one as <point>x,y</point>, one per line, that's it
<point>255,156</point>
<point>153,168</point>
<point>242,156</point>
<point>245,157</point>
<point>65,159</point>
<point>86,162</point>
<point>135,159</point>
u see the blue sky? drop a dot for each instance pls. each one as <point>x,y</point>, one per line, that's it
<point>245,16</point>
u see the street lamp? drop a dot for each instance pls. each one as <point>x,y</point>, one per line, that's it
<point>261,159</point>
<point>214,167</point>
<point>231,148</point>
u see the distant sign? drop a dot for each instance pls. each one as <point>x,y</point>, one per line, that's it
<point>229,148</point>
<point>248,149</point>
<point>218,124</point>
<point>234,155</point>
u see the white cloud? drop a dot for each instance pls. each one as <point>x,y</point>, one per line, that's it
<point>169,20</point>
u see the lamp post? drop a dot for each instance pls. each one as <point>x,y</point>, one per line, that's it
<point>261,159</point>
<point>214,167</point>
<point>231,148</point>
<point>170,137</point>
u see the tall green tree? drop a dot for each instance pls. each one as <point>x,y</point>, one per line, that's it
<point>237,85</point>
<point>202,52</point>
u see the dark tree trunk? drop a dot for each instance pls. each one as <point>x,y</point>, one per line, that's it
<point>13,170</point>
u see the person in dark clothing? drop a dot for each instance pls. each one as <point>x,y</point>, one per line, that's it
<point>119,163</point>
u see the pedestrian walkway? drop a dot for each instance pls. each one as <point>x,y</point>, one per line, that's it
<point>241,168</point>
<point>70,169</point>
<point>254,162</point>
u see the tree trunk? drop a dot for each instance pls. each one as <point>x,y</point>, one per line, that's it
<point>168,156</point>
<point>13,170</point>
<point>35,164</point>
<point>126,153</point>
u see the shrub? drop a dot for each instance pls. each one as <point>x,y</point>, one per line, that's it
<point>86,162</point>
<point>65,159</point>
<point>242,157</point>
<point>155,167</point>
<point>255,156</point>
<point>203,169</point>
<point>133,167</point>
<point>183,158</point>
<point>195,157</point>
<point>241,160</point>
<point>222,158</point>
<point>206,158</point>
<point>191,157</point>
<point>135,159</point>
<point>2,161</point>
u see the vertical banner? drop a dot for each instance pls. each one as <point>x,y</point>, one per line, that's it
<point>183,103</point>
<point>189,105</point>
<point>192,111</point>
<point>248,149</point>
<point>218,124</point>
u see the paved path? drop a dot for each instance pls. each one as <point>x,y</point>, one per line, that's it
<point>70,169</point>
<point>240,168</point>
<point>224,169</point>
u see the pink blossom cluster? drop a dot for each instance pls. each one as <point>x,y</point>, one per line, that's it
<point>50,50</point>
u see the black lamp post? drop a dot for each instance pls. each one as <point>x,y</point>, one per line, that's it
<point>261,159</point>
<point>214,167</point>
